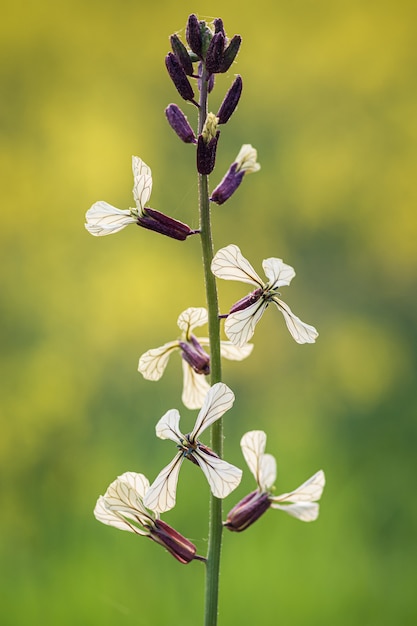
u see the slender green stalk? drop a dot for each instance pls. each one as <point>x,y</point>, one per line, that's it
<point>215,521</point>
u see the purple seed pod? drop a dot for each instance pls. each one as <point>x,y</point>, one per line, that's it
<point>230,53</point>
<point>230,101</point>
<point>179,77</point>
<point>182,55</point>
<point>179,123</point>
<point>214,56</point>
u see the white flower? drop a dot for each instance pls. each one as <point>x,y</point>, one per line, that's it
<point>195,361</point>
<point>221,476</point>
<point>105,219</point>
<point>230,264</point>
<point>302,501</point>
<point>122,507</point>
<point>246,159</point>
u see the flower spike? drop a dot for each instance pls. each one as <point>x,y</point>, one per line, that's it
<point>104,219</point>
<point>300,503</point>
<point>230,264</point>
<point>222,477</point>
<point>122,507</point>
<point>196,362</point>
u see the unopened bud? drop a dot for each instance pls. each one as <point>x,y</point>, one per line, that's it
<point>179,123</point>
<point>193,35</point>
<point>218,26</point>
<point>206,154</point>
<point>214,55</point>
<point>163,224</point>
<point>182,54</point>
<point>245,164</point>
<point>176,544</point>
<point>230,101</point>
<point>247,511</point>
<point>179,77</point>
<point>230,53</point>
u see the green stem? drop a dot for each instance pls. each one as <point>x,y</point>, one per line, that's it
<point>215,521</point>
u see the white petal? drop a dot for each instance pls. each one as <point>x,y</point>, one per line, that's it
<point>217,401</point>
<point>229,264</point>
<point>191,318</point>
<point>253,446</point>
<point>104,219</point>
<point>142,182</point>
<point>152,363</point>
<point>229,351</point>
<point>195,387</point>
<point>138,482</point>
<point>168,426</point>
<point>304,511</point>
<point>161,494</point>
<point>222,477</point>
<point>240,326</point>
<point>279,274</point>
<point>112,518</point>
<point>267,471</point>
<point>301,332</point>
<point>310,491</point>
<point>122,497</point>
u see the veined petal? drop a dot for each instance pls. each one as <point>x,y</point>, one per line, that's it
<point>301,332</point>
<point>309,491</point>
<point>191,318</point>
<point>222,477</point>
<point>195,387</point>
<point>217,401</point>
<point>104,219</point>
<point>138,482</point>
<point>112,518</point>
<point>229,264</point>
<point>279,274</point>
<point>304,511</point>
<point>267,471</point>
<point>234,353</point>
<point>152,363</point>
<point>161,494</point>
<point>253,447</point>
<point>240,326</point>
<point>168,426</point>
<point>142,182</point>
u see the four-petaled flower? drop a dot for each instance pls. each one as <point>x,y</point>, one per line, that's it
<point>122,507</point>
<point>195,363</point>
<point>230,264</point>
<point>302,501</point>
<point>222,476</point>
<point>104,219</point>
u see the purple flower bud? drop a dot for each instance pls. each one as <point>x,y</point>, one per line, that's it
<point>176,544</point>
<point>228,185</point>
<point>193,35</point>
<point>195,356</point>
<point>230,53</point>
<point>230,101</point>
<point>179,124</point>
<point>218,26</point>
<point>182,55</point>
<point>163,224</point>
<point>179,77</point>
<point>247,301</point>
<point>247,511</point>
<point>214,55</point>
<point>206,154</point>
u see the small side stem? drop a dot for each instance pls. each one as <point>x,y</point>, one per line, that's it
<point>215,521</point>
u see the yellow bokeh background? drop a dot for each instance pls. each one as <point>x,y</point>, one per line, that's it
<point>329,101</point>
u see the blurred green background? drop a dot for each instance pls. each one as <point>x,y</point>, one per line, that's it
<point>330,103</point>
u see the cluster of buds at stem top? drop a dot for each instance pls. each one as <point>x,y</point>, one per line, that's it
<point>245,163</point>
<point>214,49</point>
<point>207,145</point>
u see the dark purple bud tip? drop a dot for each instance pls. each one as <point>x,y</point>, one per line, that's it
<point>180,124</point>
<point>247,511</point>
<point>195,356</point>
<point>218,26</point>
<point>206,154</point>
<point>179,77</point>
<point>230,101</point>
<point>182,54</point>
<point>176,544</point>
<point>247,301</point>
<point>193,35</point>
<point>230,53</point>
<point>228,185</point>
<point>165,225</point>
<point>214,54</point>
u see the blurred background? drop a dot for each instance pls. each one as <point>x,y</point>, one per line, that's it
<point>329,101</point>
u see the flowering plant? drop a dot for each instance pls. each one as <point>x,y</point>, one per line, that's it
<point>131,503</point>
